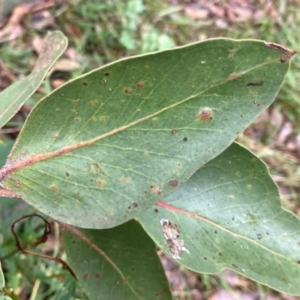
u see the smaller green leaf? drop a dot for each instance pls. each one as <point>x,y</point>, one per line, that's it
<point>2,280</point>
<point>2,285</point>
<point>13,97</point>
<point>228,215</point>
<point>5,148</point>
<point>117,263</point>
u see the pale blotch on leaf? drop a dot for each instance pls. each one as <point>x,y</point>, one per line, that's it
<point>103,118</point>
<point>53,188</point>
<point>93,102</point>
<point>125,179</point>
<point>75,101</point>
<point>55,135</point>
<point>77,119</point>
<point>231,53</point>
<point>155,189</point>
<point>249,186</point>
<point>205,114</point>
<point>234,76</point>
<point>252,93</point>
<point>231,197</point>
<point>100,182</point>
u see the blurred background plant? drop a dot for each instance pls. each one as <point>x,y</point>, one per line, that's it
<point>100,32</point>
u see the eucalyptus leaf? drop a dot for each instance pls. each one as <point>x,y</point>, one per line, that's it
<point>228,215</point>
<point>104,147</point>
<point>2,285</point>
<point>117,263</point>
<point>13,97</point>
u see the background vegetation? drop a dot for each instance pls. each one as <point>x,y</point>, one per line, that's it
<point>100,32</point>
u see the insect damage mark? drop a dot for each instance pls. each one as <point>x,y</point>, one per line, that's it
<point>171,234</point>
<point>287,53</point>
<point>258,83</point>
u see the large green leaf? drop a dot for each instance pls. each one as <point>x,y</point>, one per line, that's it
<point>13,97</point>
<point>117,263</point>
<point>106,146</point>
<point>229,216</point>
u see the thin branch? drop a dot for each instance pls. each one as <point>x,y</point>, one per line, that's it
<point>40,240</point>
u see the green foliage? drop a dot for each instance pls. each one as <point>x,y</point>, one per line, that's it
<point>122,262</point>
<point>2,285</point>
<point>151,137</point>
<point>16,94</point>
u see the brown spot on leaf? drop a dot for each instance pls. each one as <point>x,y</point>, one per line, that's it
<point>106,74</point>
<point>97,275</point>
<point>140,84</point>
<point>156,210</point>
<point>235,266</point>
<point>173,131</point>
<point>84,83</point>
<point>185,139</point>
<point>284,58</point>
<point>133,205</point>
<point>173,183</point>
<point>155,189</point>
<point>67,174</point>
<point>54,188</point>
<point>100,182</point>
<point>85,276</point>
<point>127,90</point>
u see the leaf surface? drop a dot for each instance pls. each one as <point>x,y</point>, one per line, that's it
<point>2,285</point>
<point>229,216</point>
<point>117,263</point>
<point>13,97</point>
<point>106,146</point>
